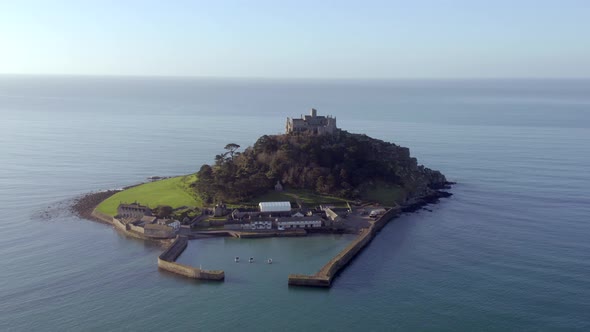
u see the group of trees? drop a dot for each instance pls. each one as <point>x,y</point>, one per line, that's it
<point>342,164</point>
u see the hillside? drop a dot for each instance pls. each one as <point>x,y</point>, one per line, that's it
<point>174,192</point>
<point>352,166</point>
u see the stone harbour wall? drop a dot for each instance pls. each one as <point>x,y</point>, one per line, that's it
<point>102,217</point>
<point>167,261</point>
<point>328,272</point>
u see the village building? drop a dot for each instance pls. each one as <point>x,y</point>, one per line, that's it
<point>266,207</point>
<point>236,225</point>
<point>312,124</point>
<point>220,210</point>
<point>261,225</point>
<point>134,210</point>
<point>174,224</point>
<point>244,213</point>
<point>332,215</point>
<point>299,222</point>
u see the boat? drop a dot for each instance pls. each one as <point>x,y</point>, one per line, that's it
<point>237,259</point>
<point>251,260</point>
<point>269,261</point>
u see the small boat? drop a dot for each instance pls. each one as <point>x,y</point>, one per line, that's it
<point>237,259</point>
<point>269,261</point>
<point>251,260</point>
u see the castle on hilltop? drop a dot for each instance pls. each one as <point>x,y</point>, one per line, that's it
<point>312,124</point>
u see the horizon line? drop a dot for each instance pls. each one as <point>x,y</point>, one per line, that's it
<point>271,78</point>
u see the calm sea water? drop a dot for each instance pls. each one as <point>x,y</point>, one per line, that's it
<point>509,251</point>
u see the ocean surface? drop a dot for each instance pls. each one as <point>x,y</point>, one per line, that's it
<point>510,251</point>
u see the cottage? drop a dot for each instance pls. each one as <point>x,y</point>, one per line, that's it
<point>301,222</point>
<point>174,224</point>
<point>261,225</point>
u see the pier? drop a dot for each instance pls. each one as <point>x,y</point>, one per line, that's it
<point>325,276</point>
<point>167,261</point>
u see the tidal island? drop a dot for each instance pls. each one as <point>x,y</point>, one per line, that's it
<point>315,178</point>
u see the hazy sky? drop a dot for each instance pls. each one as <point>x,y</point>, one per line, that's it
<point>297,39</point>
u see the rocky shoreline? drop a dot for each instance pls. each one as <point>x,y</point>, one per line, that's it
<point>431,198</point>
<point>83,206</point>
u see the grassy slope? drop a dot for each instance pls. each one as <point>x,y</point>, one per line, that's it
<point>174,192</point>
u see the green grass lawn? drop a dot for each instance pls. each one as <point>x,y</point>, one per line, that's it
<point>307,197</point>
<point>174,192</point>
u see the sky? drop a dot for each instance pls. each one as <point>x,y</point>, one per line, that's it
<point>297,39</point>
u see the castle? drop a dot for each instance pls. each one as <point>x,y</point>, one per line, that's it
<point>312,123</point>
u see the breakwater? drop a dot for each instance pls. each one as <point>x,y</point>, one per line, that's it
<point>167,261</point>
<point>325,276</point>
<point>257,235</point>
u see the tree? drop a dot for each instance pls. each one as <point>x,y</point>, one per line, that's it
<point>231,149</point>
<point>219,159</point>
<point>205,173</point>
<point>164,211</point>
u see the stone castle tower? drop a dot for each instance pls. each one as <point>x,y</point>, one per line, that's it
<point>312,124</point>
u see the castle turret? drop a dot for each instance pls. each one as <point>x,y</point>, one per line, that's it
<point>312,123</point>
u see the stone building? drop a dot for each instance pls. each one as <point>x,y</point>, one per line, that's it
<point>134,210</point>
<point>300,222</point>
<point>312,124</point>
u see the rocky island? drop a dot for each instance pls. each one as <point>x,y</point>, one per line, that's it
<point>315,178</point>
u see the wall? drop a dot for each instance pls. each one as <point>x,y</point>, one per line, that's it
<point>166,261</point>
<point>159,233</point>
<point>103,217</point>
<point>136,228</point>
<point>328,272</point>
<point>118,224</point>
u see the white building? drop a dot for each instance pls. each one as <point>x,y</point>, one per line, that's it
<point>303,222</point>
<point>261,225</point>
<point>175,224</point>
<point>274,206</point>
<point>376,212</point>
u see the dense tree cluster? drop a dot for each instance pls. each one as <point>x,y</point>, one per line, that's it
<point>342,164</point>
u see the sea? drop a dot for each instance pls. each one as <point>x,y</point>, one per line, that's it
<point>509,251</point>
